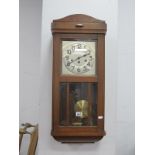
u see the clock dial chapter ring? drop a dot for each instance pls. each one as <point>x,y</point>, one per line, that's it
<point>78,58</point>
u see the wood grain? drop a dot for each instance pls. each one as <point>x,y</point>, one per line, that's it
<point>89,28</point>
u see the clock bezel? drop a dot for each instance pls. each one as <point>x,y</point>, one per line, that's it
<point>75,37</point>
<point>88,73</point>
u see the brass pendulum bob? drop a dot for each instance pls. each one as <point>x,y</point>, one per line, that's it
<point>81,108</point>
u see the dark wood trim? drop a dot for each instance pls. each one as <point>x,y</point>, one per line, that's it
<point>77,79</point>
<point>90,102</point>
<point>69,24</point>
<point>78,139</point>
<point>101,79</point>
<point>68,106</point>
<point>79,17</point>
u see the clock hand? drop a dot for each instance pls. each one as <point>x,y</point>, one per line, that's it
<point>85,55</point>
<point>79,58</point>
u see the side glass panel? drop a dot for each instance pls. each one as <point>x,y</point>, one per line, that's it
<point>78,104</point>
<point>63,104</point>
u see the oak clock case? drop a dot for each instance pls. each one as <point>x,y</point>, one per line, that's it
<point>78,79</point>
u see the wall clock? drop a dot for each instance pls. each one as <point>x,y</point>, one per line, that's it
<point>78,79</point>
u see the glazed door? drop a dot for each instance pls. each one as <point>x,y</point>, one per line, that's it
<point>78,104</point>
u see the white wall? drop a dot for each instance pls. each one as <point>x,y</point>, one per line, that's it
<point>102,9</point>
<point>30,44</point>
<point>29,62</point>
<point>125,78</point>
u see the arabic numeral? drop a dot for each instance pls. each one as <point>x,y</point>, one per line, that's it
<point>68,63</point>
<point>89,51</point>
<point>72,67</point>
<point>67,57</point>
<point>78,69</point>
<point>84,46</point>
<point>79,46</point>
<point>88,63</point>
<point>85,69</point>
<point>73,48</point>
<point>68,51</point>
<point>90,58</point>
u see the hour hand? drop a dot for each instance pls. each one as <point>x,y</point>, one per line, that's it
<point>84,55</point>
<point>78,58</point>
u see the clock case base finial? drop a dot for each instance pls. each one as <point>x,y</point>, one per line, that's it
<point>78,139</point>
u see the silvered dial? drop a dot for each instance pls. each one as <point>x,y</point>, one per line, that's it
<point>78,57</point>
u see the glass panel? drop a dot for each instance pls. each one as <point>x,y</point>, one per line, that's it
<point>79,57</point>
<point>78,104</point>
<point>94,103</point>
<point>63,104</point>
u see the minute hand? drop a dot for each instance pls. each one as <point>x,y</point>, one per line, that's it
<point>80,57</point>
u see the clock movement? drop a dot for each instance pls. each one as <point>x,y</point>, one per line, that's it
<point>78,85</point>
